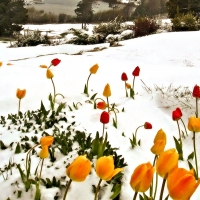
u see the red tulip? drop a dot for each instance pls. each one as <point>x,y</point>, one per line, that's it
<point>147,125</point>
<point>55,62</point>
<point>196,91</point>
<point>136,71</point>
<point>124,77</point>
<point>176,114</point>
<point>104,117</point>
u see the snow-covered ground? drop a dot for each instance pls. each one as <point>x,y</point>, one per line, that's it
<point>169,68</point>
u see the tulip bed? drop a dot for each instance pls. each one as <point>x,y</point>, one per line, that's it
<point>84,155</point>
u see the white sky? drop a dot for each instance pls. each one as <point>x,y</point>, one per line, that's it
<point>164,59</point>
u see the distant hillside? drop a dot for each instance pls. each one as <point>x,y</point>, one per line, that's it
<point>64,6</point>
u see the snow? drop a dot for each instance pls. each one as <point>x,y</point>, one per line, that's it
<point>167,61</point>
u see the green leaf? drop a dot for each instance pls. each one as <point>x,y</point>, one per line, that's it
<point>132,93</point>
<point>179,148</point>
<point>114,123</point>
<point>70,108</point>
<point>37,192</point>
<point>51,101</point>
<point>191,156</point>
<point>191,167</point>
<point>93,96</point>
<point>21,173</point>
<point>85,90</point>
<point>116,190</point>
<point>123,109</point>
<point>141,197</point>
<point>42,108</point>
<point>18,148</point>
<point>60,107</point>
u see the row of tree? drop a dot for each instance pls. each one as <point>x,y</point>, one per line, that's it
<point>13,13</point>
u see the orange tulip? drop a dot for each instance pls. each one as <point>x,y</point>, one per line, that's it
<point>46,141</point>
<point>79,169</point>
<point>159,142</point>
<point>44,153</point>
<point>128,86</point>
<point>105,168</point>
<point>107,91</point>
<point>181,184</point>
<point>94,69</point>
<point>1,63</point>
<point>194,124</point>
<point>49,74</point>
<point>142,177</point>
<point>101,105</point>
<point>20,93</point>
<point>166,162</point>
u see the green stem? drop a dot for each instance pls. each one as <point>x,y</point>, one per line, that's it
<point>103,132</point>
<point>136,132</point>
<point>179,131</point>
<point>135,195</point>
<point>156,186</point>
<point>28,155</point>
<point>60,95</point>
<point>97,189</point>
<point>19,106</point>
<point>107,103</point>
<point>151,188</point>
<point>133,83</point>
<point>41,169</point>
<point>67,188</point>
<point>163,186</point>
<point>54,90</point>
<point>184,127</point>
<point>195,154</point>
<point>87,85</point>
<point>196,107</point>
<point>126,90</point>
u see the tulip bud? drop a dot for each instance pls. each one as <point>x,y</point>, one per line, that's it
<point>104,117</point>
<point>44,153</point>
<point>142,177</point>
<point>194,124</point>
<point>79,169</point>
<point>124,77</point>
<point>20,93</point>
<point>166,162</point>
<point>107,91</point>
<point>147,125</point>
<point>181,184</point>
<point>49,74</point>
<point>196,91</point>
<point>176,114</point>
<point>101,105</point>
<point>46,141</point>
<point>55,62</point>
<point>105,168</point>
<point>136,71</point>
<point>94,69</point>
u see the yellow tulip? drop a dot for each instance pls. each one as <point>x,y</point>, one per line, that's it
<point>160,136</point>
<point>20,93</point>
<point>181,184</point>
<point>1,63</point>
<point>159,142</point>
<point>94,69</point>
<point>107,91</point>
<point>44,153</point>
<point>49,74</point>
<point>166,162</point>
<point>105,168</point>
<point>194,124</point>
<point>46,141</point>
<point>158,147</point>
<point>142,177</point>
<point>128,86</point>
<point>79,169</point>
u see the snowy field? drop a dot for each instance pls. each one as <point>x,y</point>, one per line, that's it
<point>169,69</point>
